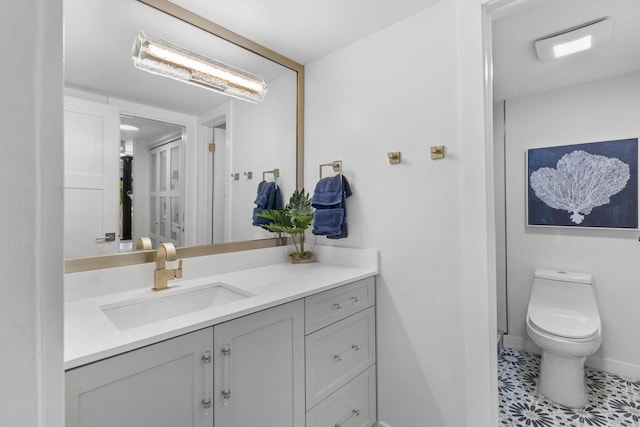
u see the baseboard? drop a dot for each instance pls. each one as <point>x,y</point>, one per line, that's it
<point>623,369</point>
<point>381,424</point>
<point>519,343</point>
<point>626,370</point>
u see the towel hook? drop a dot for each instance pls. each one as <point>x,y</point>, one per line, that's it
<point>336,165</point>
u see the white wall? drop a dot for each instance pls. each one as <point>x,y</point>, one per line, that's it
<point>31,190</point>
<point>262,138</point>
<point>398,90</point>
<point>599,111</point>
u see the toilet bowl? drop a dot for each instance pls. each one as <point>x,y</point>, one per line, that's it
<point>563,320</point>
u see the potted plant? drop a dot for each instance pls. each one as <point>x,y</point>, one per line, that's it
<point>293,220</point>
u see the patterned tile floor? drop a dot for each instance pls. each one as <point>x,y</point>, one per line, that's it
<point>613,401</point>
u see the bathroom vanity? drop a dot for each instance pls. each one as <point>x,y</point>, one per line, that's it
<point>295,347</point>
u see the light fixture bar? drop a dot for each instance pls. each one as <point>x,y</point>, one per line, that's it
<point>575,40</point>
<point>158,56</point>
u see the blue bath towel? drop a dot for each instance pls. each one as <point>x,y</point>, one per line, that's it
<point>329,199</point>
<point>268,197</point>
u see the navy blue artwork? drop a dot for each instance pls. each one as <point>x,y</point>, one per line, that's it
<point>575,186</point>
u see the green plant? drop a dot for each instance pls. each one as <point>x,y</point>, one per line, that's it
<point>293,219</point>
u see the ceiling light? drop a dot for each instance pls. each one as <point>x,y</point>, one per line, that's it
<point>152,54</point>
<point>568,48</point>
<point>129,128</point>
<point>575,40</point>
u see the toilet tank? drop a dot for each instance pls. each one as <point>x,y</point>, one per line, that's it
<point>563,276</point>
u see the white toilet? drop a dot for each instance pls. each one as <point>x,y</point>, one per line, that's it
<point>563,319</point>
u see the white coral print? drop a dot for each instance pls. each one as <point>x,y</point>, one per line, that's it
<point>580,182</point>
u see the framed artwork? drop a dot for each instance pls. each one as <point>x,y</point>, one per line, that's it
<point>584,185</point>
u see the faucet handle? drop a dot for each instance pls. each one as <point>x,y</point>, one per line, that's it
<point>165,252</point>
<point>178,271</point>
<point>168,251</point>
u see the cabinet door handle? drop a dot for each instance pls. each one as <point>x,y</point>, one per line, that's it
<point>340,305</point>
<point>226,389</point>
<point>207,382</point>
<point>338,357</point>
<point>354,413</point>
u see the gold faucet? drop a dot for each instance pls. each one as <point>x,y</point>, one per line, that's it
<point>166,252</point>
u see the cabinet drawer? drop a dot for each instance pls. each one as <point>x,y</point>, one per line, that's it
<point>330,306</point>
<point>354,405</point>
<point>338,353</point>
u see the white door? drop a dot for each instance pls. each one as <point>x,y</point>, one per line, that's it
<point>166,218</point>
<point>91,178</point>
<point>259,362</point>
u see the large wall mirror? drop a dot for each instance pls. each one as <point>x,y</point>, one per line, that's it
<point>149,156</point>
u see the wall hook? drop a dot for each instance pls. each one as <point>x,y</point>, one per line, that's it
<point>394,157</point>
<point>248,174</point>
<point>437,152</point>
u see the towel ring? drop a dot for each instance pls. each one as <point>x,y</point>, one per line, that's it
<point>275,172</point>
<point>336,165</point>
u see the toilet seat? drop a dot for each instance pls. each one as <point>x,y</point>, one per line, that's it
<point>566,311</point>
<point>564,324</point>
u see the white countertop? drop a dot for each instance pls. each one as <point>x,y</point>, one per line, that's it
<point>91,336</point>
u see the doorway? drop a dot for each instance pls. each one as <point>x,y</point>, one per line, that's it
<point>152,181</point>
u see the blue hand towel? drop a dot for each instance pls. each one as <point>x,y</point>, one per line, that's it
<point>265,190</point>
<point>328,192</point>
<point>327,222</point>
<point>329,199</point>
<point>268,197</point>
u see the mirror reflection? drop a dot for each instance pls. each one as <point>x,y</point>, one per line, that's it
<point>150,156</point>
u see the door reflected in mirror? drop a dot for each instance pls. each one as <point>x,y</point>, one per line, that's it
<point>151,169</point>
<point>173,184</point>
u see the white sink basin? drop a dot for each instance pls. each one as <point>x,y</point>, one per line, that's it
<point>170,303</point>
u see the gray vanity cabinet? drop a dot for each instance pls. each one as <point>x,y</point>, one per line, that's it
<point>309,362</point>
<point>259,369</point>
<point>341,356</point>
<point>167,384</point>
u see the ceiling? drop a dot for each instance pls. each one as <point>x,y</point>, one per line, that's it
<point>517,70</point>
<point>99,35</point>
<point>305,30</point>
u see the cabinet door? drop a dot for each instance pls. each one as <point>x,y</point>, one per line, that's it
<point>260,369</point>
<point>162,385</point>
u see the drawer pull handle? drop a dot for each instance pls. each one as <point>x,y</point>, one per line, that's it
<point>338,357</point>
<point>354,413</point>
<point>340,305</point>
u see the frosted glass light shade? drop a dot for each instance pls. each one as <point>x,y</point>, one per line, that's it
<point>158,56</point>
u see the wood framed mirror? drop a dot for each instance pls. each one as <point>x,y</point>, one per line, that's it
<point>198,113</point>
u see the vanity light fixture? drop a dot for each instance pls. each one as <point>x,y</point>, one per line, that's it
<point>158,56</point>
<point>575,40</point>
